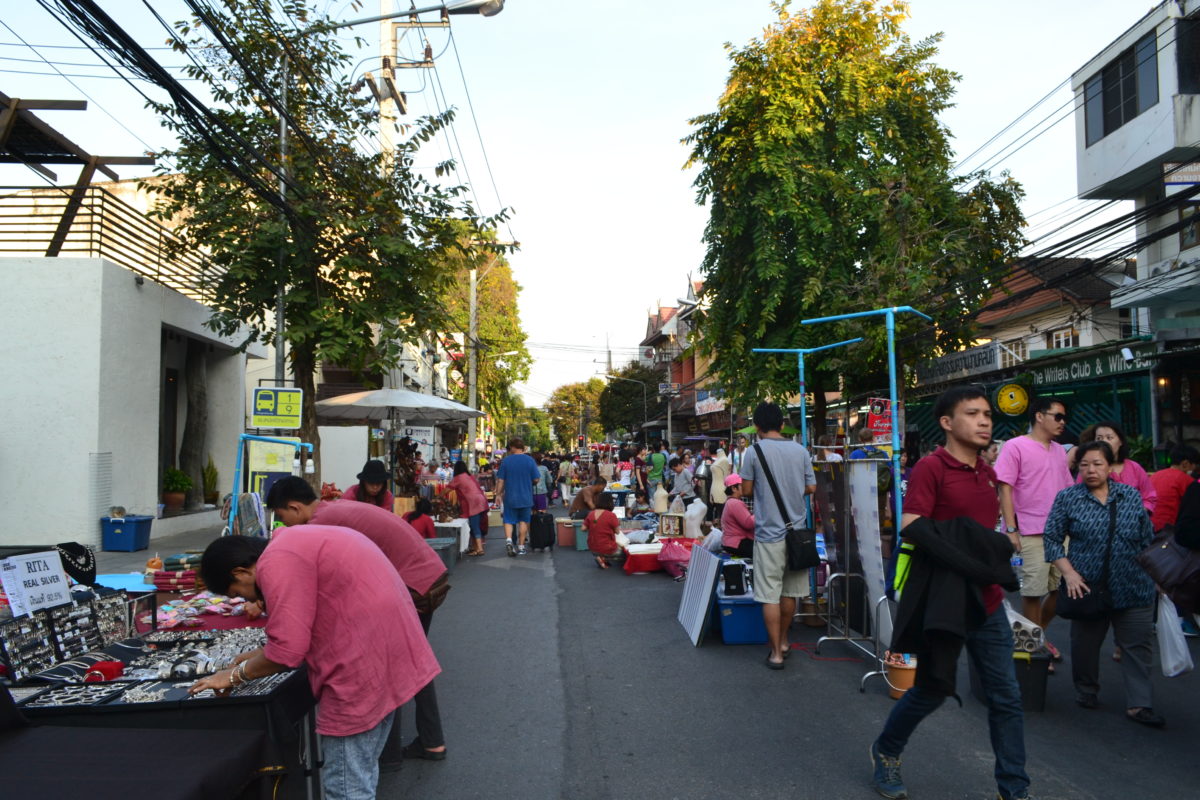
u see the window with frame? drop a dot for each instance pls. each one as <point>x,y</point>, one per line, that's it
<point>1062,339</point>
<point>1127,321</point>
<point>1125,88</point>
<point>1013,352</point>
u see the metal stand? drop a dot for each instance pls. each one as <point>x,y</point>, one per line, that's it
<point>837,626</point>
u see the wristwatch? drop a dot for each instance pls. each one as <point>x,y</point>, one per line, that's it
<point>1011,530</point>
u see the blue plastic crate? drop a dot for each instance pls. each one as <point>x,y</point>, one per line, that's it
<point>125,534</point>
<point>741,619</point>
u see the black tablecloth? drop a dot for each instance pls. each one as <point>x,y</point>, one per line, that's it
<point>127,763</point>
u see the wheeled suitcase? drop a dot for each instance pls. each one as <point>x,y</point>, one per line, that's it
<point>541,531</point>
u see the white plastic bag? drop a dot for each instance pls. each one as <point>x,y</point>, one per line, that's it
<point>712,542</point>
<point>693,518</point>
<point>1027,636</point>
<point>676,506</point>
<point>1172,647</point>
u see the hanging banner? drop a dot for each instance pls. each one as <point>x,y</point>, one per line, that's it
<point>879,418</point>
<point>864,505</point>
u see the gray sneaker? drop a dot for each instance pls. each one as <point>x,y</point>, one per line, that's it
<point>887,780</point>
<point>512,551</point>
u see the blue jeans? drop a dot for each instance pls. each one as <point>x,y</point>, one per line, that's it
<point>474,523</point>
<point>351,769</point>
<point>990,649</point>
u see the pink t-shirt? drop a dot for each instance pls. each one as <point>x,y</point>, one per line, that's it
<point>471,499</point>
<point>737,523</point>
<point>1133,475</point>
<point>1036,474</point>
<point>419,566</point>
<point>335,603</point>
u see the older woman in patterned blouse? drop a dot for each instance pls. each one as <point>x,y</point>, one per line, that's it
<point>1082,512</point>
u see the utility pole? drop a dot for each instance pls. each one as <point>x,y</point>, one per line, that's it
<point>473,343</point>
<point>280,355</point>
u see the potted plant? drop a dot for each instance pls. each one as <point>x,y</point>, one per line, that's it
<point>175,487</point>
<point>210,475</point>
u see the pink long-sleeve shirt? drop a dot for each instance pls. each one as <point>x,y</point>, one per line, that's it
<point>418,564</point>
<point>737,523</point>
<point>337,604</point>
<point>471,499</point>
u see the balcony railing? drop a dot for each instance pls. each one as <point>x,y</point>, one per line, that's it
<point>92,222</point>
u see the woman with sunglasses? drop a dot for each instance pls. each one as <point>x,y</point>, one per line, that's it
<point>1124,469</point>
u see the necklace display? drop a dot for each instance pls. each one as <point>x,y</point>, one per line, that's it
<point>83,563</point>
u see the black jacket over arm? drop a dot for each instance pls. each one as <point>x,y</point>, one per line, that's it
<point>942,600</point>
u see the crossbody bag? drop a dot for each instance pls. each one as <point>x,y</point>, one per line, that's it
<point>1097,602</point>
<point>801,541</point>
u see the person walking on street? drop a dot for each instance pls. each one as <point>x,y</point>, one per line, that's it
<point>1107,528</point>
<point>788,462</point>
<point>514,485</point>
<point>541,489</point>
<point>951,483</point>
<point>566,472</point>
<point>1032,470</point>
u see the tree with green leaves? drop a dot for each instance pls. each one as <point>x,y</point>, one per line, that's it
<point>621,403</point>
<point>574,408</point>
<point>358,241</point>
<point>829,181</point>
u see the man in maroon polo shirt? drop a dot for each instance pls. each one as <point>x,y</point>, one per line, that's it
<point>956,482</point>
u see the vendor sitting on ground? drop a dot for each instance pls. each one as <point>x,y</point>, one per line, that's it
<point>737,523</point>
<point>602,526</point>
<point>372,486</point>
<point>421,518</point>
<point>585,499</point>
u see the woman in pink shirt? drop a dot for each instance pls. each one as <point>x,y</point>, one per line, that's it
<point>737,523</point>
<point>365,650</point>
<point>372,486</point>
<point>472,505</point>
<point>1124,470</point>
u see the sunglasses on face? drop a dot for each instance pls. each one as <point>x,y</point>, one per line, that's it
<point>1058,417</point>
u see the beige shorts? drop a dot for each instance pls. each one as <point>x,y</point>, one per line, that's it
<point>772,580</point>
<point>1038,577</point>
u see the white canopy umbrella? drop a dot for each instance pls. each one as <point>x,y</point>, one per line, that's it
<point>412,407</point>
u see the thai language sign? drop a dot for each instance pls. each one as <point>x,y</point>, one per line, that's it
<point>974,361</point>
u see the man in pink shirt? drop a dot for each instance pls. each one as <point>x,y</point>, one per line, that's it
<point>422,570</point>
<point>365,652</point>
<point>1032,469</point>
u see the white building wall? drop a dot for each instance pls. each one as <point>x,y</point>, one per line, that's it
<point>83,340</point>
<point>344,450</point>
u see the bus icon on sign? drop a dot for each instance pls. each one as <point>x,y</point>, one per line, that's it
<point>264,401</point>
<point>276,407</point>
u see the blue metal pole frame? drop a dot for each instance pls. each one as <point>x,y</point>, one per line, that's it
<point>801,352</point>
<point>889,315</point>
<point>237,469</point>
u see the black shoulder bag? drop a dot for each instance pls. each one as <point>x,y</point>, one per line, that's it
<point>801,542</point>
<point>1097,602</point>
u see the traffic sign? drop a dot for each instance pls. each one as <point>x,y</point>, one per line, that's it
<point>276,408</point>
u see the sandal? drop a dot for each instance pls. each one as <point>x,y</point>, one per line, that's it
<point>601,563</point>
<point>1053,651</point>
<point>1146,716</point>
<point>773,664</point>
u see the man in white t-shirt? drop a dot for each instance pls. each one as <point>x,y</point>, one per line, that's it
<point>1032,469</point>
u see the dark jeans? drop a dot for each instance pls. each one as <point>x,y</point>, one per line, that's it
<point>745,549</point>
<point>429,720</point>
<point>990,649</point>
<point>1133,632</point>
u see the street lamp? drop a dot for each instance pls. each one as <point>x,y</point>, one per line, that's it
<point>645,407</point>
<point>486,8</point>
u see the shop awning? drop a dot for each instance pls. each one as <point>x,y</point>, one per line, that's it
<point>412,407</point>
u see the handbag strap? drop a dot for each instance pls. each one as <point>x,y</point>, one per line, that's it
<point>1112,532</point>
<point>774,487</point>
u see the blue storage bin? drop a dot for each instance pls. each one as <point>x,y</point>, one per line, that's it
<point>741,619</point>
<point>126,534</point>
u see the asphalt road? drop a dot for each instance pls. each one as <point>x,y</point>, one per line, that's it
<point>564,681</point>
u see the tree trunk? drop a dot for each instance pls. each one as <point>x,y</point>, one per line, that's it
<point>304,367</point>
<point>195,428</point>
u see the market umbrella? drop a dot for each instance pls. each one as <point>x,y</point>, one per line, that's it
<point>412,407</point>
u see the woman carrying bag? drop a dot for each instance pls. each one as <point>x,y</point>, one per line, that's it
<point>1103,583</point>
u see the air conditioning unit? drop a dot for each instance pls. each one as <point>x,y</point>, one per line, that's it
<point>1163,267</point>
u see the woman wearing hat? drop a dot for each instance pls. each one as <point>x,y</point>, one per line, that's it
<point>737,523</point>
<point>372,486</point>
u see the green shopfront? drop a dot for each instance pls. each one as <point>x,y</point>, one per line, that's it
<point>1101,383</point>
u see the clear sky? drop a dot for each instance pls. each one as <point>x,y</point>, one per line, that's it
<point>581,106</point>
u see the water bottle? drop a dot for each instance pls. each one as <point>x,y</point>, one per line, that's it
<point>1017,562</point>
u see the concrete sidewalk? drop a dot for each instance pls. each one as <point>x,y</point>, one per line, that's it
<point>112,561</point>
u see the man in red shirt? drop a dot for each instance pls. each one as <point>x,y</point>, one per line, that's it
<point>956,482</point>
<point>1171,483</point>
